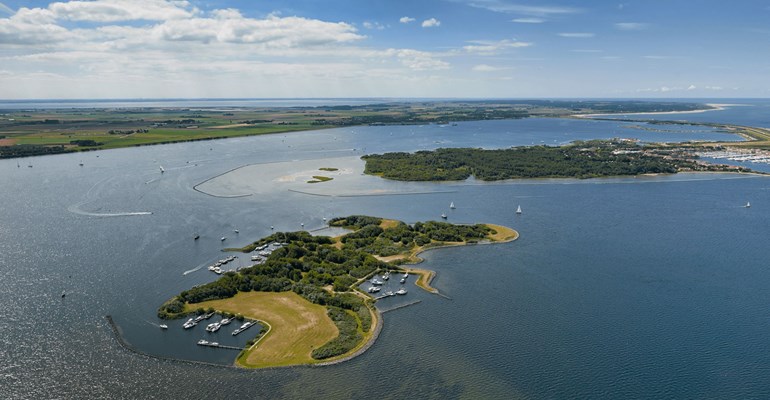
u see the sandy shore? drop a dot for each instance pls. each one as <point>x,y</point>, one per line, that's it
<point>717,107</point>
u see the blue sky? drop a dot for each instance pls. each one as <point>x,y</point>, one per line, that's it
<point>384,48</point>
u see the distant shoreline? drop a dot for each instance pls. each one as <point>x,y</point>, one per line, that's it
<point>716,107</point>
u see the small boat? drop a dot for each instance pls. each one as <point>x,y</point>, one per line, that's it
<point>163,326</point>
<point>225,321</point>
<point>162,170</point>
<point>406,275</point>
<point>443,216</point>
<point>389,293</point>
<point>271,227</point>
<point>452,205</point>
<point>63,294</point>
<point>386,276</point>
<point>748,204</point>
<point>374,289</point>
<point>375,281</point>
<point>17,165</point>
<point>203,342</point>
<point>236,231</point>
<point>213,327</point>
<point>401,291</point>
<point>189,324</point>
<point>196,236</point>
<point>223,238</point>
<point>81,163</point>
<point>518,210</point>
<point>403,280</point>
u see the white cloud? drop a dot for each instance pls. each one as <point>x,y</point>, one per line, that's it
<point>528,20</point>
<point>631,26</point>
<point>580,35</point>
<point>487,68</point>
<point>122,10</point>
<point>484,47</point>
<point>692,87</point>
<point>373,25</point>
<point>406,20</point>
<point>715,88</point>
<point>431,23</point>
<point>417,60</point>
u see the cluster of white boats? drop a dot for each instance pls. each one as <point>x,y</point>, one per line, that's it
<point>740,155</point>
<point>215,326</point>
<point>265,250</point>
<point>376,284</point>
<point>217,266</point>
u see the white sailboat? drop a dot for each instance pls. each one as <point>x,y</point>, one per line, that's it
<point>748,204</point>
<point>518,210</point>
<point>452,205</point>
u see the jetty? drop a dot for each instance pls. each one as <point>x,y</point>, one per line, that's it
<point>206,343</point>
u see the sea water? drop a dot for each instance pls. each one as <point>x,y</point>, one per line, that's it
<point>619,287</point>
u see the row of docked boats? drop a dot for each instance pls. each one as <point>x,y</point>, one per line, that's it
<point>217,266</point>
<point>194,321</point>
<point>213,327</point>
<point>246,325</point>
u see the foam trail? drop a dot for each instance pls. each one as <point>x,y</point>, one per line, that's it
<point>193,270</point>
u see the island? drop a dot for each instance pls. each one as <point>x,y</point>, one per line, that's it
<point>580,159</point>
<point>304,289</point>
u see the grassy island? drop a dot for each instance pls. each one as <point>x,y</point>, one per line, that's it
<point>581,159</point>
<point>306,289</point>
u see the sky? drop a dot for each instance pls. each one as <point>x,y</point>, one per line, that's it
<point>384,48</point>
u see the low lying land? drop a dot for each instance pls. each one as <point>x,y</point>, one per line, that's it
<point>38,132</point>
<point>306,289</point>
<point>582,159</point>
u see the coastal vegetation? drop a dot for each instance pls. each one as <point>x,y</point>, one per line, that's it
<point>320,271</point>
<point>43,131</point>
<point>319,178</point>
<point>581,159</point>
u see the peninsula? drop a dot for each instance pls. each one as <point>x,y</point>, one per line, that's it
<point>305,290</point>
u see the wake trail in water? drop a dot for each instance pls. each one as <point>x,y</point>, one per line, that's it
<point>189,271</point>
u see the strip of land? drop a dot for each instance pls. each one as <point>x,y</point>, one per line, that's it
<point>39,132</point>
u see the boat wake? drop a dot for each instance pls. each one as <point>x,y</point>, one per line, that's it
<point>190,271</point>
<point>76,209</point>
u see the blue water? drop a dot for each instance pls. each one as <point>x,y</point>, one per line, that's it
<point>617,288</point>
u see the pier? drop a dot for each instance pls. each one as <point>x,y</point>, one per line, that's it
<point>217,345</point>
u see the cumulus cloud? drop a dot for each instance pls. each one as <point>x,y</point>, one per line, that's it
<point>121,10</point>
<point>692,87</point>
<point>431,23</point>
<point>484,47</point>
<point>406,20</point>
<point>528,20</point>
<point>579,35</point>
<point>631,26</point>
<point>417,60</point>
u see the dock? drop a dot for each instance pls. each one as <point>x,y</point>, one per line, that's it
<point>217,345</point>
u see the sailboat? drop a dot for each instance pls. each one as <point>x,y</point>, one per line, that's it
<point>452,205</point>
<point>162,170</point>
<point>443,216</point>
<point>748,204</point>
<point>518,210</point>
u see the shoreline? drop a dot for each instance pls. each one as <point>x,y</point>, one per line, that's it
<point>715,107</point>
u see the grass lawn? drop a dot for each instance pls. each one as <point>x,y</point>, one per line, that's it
<point>297,327</point>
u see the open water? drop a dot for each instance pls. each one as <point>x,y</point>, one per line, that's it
<point>648,287</point>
